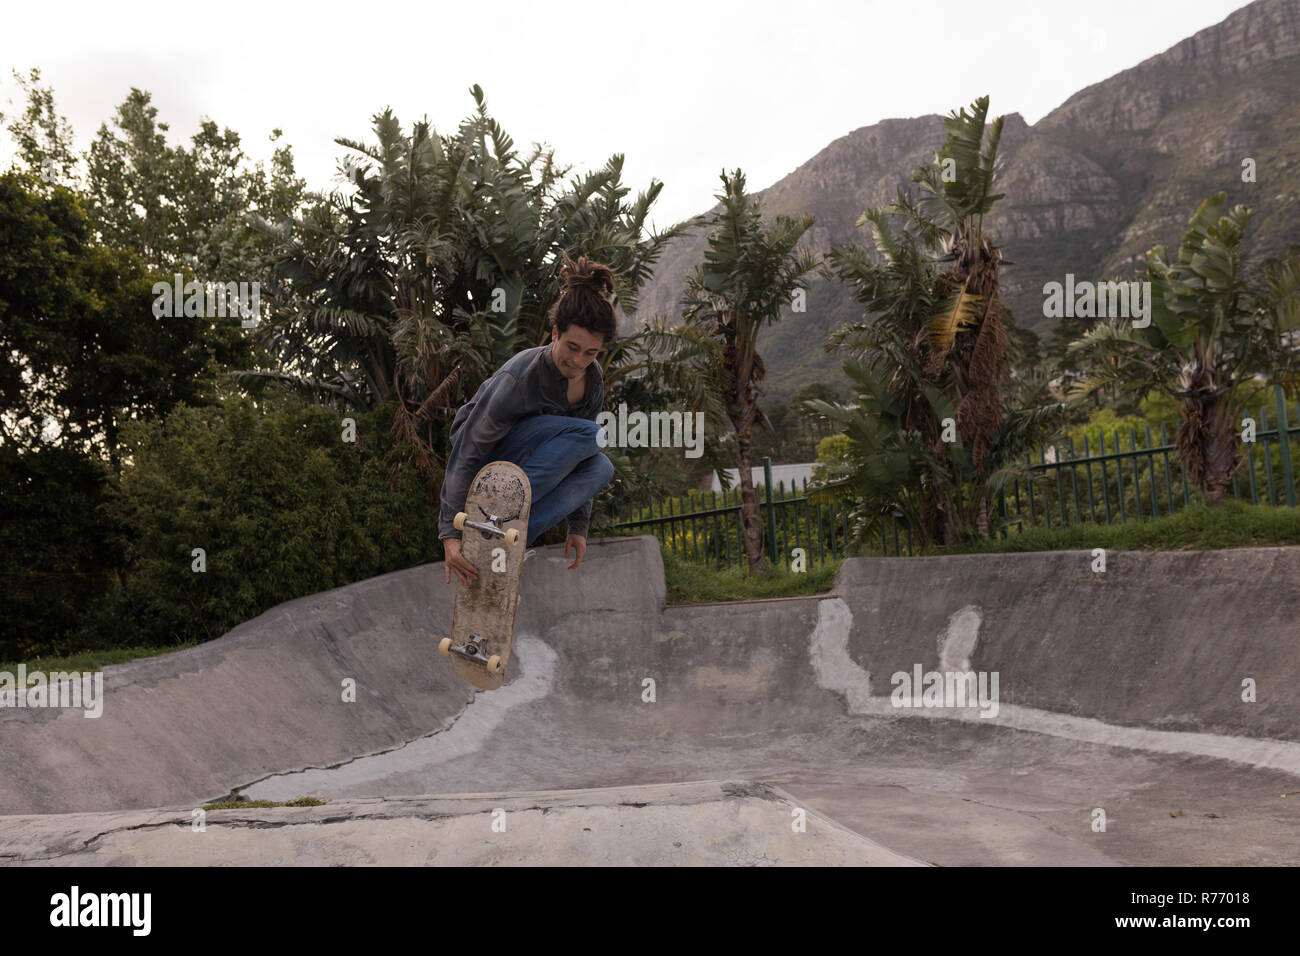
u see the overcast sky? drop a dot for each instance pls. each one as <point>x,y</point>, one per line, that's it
<point>682,89</point>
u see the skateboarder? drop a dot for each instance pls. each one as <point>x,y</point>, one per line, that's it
<point>539,411</point>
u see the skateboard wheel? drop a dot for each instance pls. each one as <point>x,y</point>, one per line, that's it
<point>444,646</point>
<point>494,664</point>
<point>512,537</point>
<point>459,522</point>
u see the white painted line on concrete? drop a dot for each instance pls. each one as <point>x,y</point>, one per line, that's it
<point>837,671</point>
<point>466,735</point>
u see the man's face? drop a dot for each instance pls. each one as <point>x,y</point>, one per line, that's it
<point>574,350</point>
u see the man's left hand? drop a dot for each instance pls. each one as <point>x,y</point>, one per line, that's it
<point>579,544</point>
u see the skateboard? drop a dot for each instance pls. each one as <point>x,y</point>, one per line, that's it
<point>494,529</point>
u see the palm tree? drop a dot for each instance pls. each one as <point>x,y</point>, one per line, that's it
<point>943,329</point>
<point>434,266</point>
<point>749,272</point>
<point>891,470</point>
<point>1222,331</point>
<point>659,367</point>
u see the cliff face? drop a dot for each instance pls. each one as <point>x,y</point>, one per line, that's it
<point>1114,170</point>
<point>1249,40</point>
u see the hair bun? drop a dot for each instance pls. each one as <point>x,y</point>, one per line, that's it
<point>587,273</point>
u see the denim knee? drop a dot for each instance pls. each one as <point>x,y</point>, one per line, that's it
<point>605,469</point>
<point>590,430</point>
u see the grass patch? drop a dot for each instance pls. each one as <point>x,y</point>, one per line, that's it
<point>691,583</point>
<point>250,804</point>
<point>94,660</point>
<point>1196,527</point>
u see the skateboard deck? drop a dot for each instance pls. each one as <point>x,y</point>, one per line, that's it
<point>494,536</point>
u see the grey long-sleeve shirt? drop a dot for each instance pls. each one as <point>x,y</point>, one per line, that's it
<point>529,384</point>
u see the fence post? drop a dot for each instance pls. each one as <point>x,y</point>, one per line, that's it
<point>1284,441</point>
<point>771,512</point>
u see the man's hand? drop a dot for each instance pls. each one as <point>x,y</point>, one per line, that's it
<point>578,543</point>
<point>455,562</point>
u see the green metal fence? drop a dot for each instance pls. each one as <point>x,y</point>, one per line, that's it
<point>700,528</point>
<point>1102,485</point>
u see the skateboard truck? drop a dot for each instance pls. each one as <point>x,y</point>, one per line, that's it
<point>474,649</point>
<point>487,527</point>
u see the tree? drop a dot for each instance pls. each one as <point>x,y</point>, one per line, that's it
<point>888,470</point>
<point>663,367</point>
<point>129,172</point>
<point>750,271</point>
<point>433,267</point>
<point>80,348</point>
<point>185,209</point>
<point>816,427</point>
<point>43,136</point>
<point>59,547</point>
<point>1222,330</point>
<point>937,340</point>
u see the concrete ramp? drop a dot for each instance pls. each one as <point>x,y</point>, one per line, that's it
<point>983,709</point>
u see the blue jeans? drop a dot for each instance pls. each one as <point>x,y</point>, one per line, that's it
<point>563,463</point>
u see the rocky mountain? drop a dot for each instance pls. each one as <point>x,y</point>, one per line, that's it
<point>1117,168</point>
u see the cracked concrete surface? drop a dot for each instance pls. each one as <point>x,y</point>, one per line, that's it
<point>1122,732</point>
<point>706,823</point>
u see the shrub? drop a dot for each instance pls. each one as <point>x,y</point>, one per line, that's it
<point>280,504</point>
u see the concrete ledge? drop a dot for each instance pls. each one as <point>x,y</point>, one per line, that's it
<point>1162,640</point>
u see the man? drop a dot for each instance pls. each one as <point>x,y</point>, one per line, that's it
<point>539,411</point>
